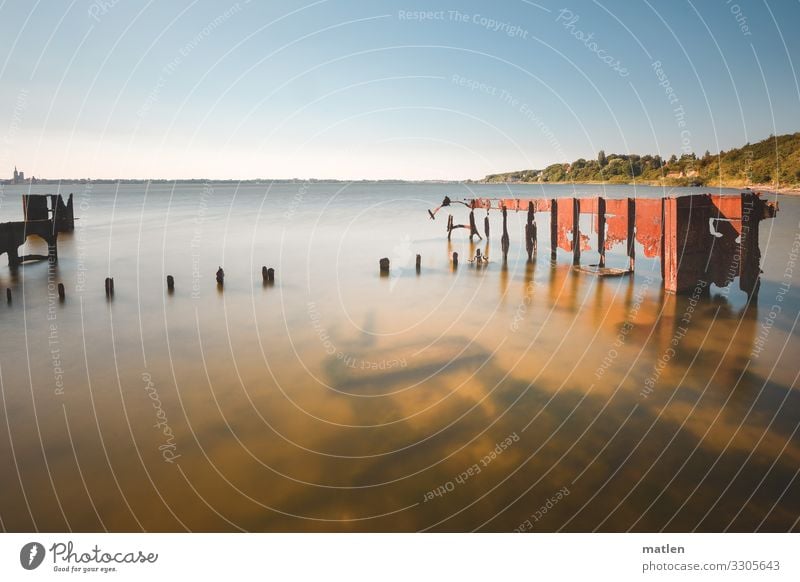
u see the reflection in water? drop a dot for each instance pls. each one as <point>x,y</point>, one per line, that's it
<point>337,402</point>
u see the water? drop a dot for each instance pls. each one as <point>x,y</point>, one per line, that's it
<point>528,397</point>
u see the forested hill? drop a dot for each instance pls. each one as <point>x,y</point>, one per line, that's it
<point>773,162</point>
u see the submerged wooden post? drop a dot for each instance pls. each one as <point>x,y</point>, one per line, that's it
<point>576,231</point>
<point>449,226</point>
<point>270,275</point>
<point>530,231</point>
<point>419,263</point>
<point>220,276</point>
<point>455,260</point>
<point>109,286</point>
<point>473,229</point>
<point>553,229</point>
<point>601,230</point>
<point>504,242</point>
<point>486,225</point>
<point>62,293</point>
<point>170,283</point>
<point>631,234</point>
<point>383,264</point>
<point>8,295</point>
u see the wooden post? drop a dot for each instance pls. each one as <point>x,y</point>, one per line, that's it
<point>749,253</point>
<point>264,273</point>
<point>473,229</point>
<point>486,225</point>
<point>576,231</point>
<point>449,225</point>
<point>553,229</point>
<point>631,233</point>
<point>384,265</point>
<point>530,231</point>
<point>170,283</point>
<point>220,276</point>
<point>8,295</point>
<point>504,242</point>
<point>62,294</point>
<point>419,263</point>
<point>601,230</point>
<point>270,275</point>
<point>109,286</point>
<point>455,260</point>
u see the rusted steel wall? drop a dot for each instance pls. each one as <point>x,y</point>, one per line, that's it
<point>700,239</point>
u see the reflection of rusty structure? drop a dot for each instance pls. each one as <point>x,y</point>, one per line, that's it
<point>45,216</point>
<point>703,237</point>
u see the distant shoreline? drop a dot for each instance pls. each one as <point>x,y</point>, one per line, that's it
<point>765,188</point>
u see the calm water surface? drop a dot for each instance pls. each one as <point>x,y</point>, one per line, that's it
<point>523,396</point>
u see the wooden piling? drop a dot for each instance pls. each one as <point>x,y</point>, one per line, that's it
<point>170,283</point>
<point>504,241</point>
<point>8,296</point>
<point>419,263</point>
<point>576,231</point>
<point>553,229</point>
<point>449,226</point>
<point>631,233</point>
<point>264,273</point>
<point>530,231</point>
<point>62,293</point>
<point>455,260</point>
<point>486,225</point>
<point>384,265</point>
<point>220,276</point>
<point>109,286</point>
<point>601,231</point>
<point>270,275</point>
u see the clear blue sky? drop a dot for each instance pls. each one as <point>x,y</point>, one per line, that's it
<point>356,89</point>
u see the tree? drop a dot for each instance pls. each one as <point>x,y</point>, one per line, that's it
<point>601,158</point>
<point>673,159</point>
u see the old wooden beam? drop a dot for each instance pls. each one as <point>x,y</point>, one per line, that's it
<point>504,241</point>
<point>553,229</point>
<point>170,283</point>
<point>383,265</point>
<point>62,293</point>
<point>576,231</point>
<point>631,238</point>
<point>220,276</point>
<point>601,231</point>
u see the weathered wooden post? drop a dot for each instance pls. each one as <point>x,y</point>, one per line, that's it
<point>553,229</point>
<point>455,260</point>
<point>749,254</point>
<point>8,295</point>
<point>170,283</point>
<point>419,263</point>
<point>631,233</point>
<point>220,276</point>
<point>486,224</point>
<point>109,286</point>
<point>449,226</point>
<point>384,266</point>
<point>530,231</point>
<point>576,231</point>
<point>504,242</point>
<point>270,275</point>
<point>62,293</point>
<point>601,230</point>
<point>264,273</point>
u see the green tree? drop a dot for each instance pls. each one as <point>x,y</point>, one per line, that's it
<point>601,158</point>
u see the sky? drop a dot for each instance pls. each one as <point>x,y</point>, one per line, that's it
<point>404,89</point>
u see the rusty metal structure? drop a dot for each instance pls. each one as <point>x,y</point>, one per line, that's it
<point>45,216</point>
<point>698,238</point>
